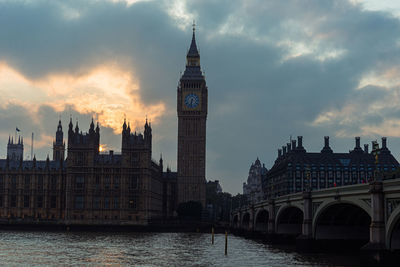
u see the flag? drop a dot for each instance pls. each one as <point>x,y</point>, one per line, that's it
<point>18,130</point>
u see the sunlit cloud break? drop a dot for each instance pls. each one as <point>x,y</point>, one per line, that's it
<point>106,91</point>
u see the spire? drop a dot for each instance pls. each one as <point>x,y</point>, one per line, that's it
<point>193,69</point>
<point>9,139</point>
<point>124,125</point>
<point>76,127</point>
<point>70,123</point>
<point>193,52</point>
<point>59,127</point>
<point>92,124</point>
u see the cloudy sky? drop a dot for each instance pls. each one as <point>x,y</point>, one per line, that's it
<point>273,69</point>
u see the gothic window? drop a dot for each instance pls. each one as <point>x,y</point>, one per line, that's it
<point>79,182</point>
<point>39,201</point>
<point>116,182</point>
<point>116,202</point>
<point>107,182</point>
<point>53,202</point>
<point>26,201</point>
<point>53,183</point>
<point>132,202</point>
<point>106,202</point>
<point>27,182</point>
<point>346,177</point>
<point>133,182</point>
<point>96,203</point>
<point>79,202</point>
<point>40,182</point>
<point>1,200</point>
<point>354,177</point>
<point>13,201</point>
<point>97,182</point>
<point>1,183</point>
<point>14,182</point>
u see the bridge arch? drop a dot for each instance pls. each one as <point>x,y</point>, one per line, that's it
<point>342,220</point>
<point>289,220</point>
<point>245,222</point>
<point>393,230</point>
<point>261,220</point>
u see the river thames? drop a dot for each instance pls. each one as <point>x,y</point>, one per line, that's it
<point>21,248</point>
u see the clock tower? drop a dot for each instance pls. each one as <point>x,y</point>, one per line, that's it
<point>192,116</point>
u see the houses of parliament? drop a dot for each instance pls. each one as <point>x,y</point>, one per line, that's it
<point>80,185</point>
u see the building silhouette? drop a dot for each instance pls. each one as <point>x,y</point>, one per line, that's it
<point>88,187</point>
<point>192,104</point>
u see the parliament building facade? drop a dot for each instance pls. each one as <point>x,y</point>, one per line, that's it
<point>127,188</point>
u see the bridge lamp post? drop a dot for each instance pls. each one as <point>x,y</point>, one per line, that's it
<point>308,180</point>
<point>376,151</point>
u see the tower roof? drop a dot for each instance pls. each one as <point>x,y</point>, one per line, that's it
<point>193,52</point>
<point>193,70</point>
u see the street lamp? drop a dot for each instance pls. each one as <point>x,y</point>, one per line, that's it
<point>308,179</point>
<point>376,151</point>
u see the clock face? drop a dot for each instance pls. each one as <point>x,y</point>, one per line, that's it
<point>192,100</point>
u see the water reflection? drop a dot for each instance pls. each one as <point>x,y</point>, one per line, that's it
<point>149,249</point>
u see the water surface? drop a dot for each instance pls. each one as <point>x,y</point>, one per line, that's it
<point>21,248</point>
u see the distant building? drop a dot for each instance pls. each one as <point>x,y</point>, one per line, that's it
<point>214,186</point>
<point>253,189</point>
<point>296,170</point>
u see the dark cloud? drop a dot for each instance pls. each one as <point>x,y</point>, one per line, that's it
<point>261,89</point>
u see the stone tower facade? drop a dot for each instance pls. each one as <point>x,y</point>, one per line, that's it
<point>15,150</point>
<point>59,144</point>
<point>192,115</point>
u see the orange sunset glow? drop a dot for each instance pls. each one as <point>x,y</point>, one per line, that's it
<point>107,91</point>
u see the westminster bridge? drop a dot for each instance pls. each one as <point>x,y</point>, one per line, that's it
<point>361,212</point>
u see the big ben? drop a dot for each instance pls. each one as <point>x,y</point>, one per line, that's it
<point>192,116</point>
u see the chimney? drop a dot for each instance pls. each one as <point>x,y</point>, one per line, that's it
<point>326,141</point>
<point>293,145</point>
<point>384,143</point>
<point>288,147</point>
<point>357,142</point>
<point>366,148</point>
<point>284,150</point>
<point>299,141</point>
<point>279,153</point>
